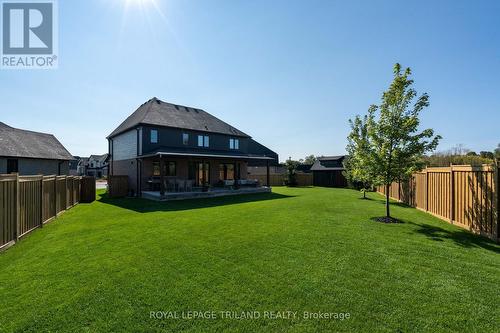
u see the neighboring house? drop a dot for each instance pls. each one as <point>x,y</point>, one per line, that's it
<point>81,168</point>
<point>73,166</point>
<point>97,166</point>
<point>162,140</point>
<point>32,153</point>
<point>328,171</point>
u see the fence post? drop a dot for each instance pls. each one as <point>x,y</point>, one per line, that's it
<point>41,202</point>
<point>55,196</point>
<point>426,190</point>
<point>497,193</point>
<point>17,229</point>
<point>452,195</point>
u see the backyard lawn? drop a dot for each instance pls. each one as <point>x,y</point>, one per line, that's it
<point>105,266</point>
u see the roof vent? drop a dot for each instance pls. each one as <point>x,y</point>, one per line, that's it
<point>196,110</point>
<point>177,107</point>
<point>186,108</point>
<point>206,128</point>
<point>158,101</point>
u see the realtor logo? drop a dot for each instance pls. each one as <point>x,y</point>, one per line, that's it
<point>29,34</point>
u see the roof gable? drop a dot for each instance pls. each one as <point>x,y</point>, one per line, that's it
<point>16,142</point>
<point>158,113</point>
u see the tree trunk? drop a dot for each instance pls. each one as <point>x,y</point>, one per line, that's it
<point>387,209</point>
<point>364,194</point>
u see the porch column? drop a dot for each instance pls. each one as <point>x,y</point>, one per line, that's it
<point>162,183</point>
<point>267,174</point>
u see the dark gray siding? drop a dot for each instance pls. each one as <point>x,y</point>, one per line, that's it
<point>3,165</point>
<point>32,166</point>
<point>172,138</point>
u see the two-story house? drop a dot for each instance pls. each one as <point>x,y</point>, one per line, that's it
<point>163,143</point>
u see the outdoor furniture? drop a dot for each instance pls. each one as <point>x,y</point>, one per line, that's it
<point>181,185</point>
<point>154,183</point>
<point>248,182</point>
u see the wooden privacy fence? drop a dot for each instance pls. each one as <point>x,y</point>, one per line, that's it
<point>28,202</point>
<point>463,195</point>
<point>303,179</point>
<point>117,186</point>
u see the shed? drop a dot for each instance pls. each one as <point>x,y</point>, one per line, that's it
<point>328,171</point>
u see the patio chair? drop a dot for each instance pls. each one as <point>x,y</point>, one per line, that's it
<point>181,185</point>
<point>189,185</point>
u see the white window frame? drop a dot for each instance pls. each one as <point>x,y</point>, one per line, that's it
<point>200,140</point>
<point>231,143</point>
<point>185,139</point>
<point>206,141</point>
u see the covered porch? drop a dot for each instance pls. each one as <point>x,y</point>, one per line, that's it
<point>174,176</point>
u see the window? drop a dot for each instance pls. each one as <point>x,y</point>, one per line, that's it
<point>200,173</point>
<point>226,171</point>
<point>203,141</point>
<point>170,169</point>
<point>12,166</point>
<point>154,136</point>
<point>234,144</point>
<point>156,168</point>
<point>185,138</point>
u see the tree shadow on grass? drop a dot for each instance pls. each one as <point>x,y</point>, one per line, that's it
<point>461,237</point>
<point>146,206</point>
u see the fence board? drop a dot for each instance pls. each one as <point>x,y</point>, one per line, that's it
<point>303,179</point>
<point>26,202</point>
<point>117,186</point>
<point>463,195</point>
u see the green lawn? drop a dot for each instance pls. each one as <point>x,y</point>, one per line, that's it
<point>103,267</point>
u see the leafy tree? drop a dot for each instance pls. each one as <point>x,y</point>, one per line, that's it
<point>471,153</point>
<point>395,146</point>
<point>497,152</point>
<point>487,154</point>
<point>291,172</point>
<point>309,159</point>
<point>357,164</point>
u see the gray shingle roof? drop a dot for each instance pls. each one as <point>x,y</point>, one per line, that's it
<point>328,163</point>
<point>159,113</point>
<point>16,142</point>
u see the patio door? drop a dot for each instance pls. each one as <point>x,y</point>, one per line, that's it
<point>227,171</point>
<point>200,172</point>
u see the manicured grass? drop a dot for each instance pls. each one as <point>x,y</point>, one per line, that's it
<point>103,267</point>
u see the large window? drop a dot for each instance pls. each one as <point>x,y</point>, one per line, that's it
<point>154,136</point>
<point>226,171</point>
<point>185,139</point>
<point>234,143</point>
<point>203,141</point>
<point>156,168</point>
<point>169,169</point>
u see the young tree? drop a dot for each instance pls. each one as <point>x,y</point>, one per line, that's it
<point>357,164</point>
<point>291,172</point>
<point>395,145</point>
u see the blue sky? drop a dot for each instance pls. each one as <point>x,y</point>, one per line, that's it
<point>289,73</point>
